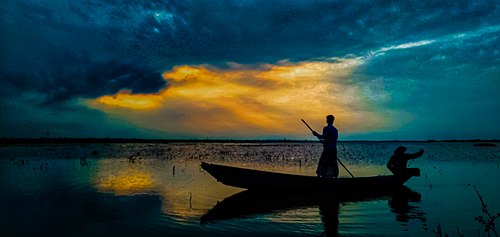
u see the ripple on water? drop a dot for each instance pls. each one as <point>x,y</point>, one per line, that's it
<point>158,189</point>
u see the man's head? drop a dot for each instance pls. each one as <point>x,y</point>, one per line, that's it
<point>400,150</point>
<point>329,119</point>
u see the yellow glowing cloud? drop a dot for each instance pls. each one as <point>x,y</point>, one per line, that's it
<point>133,101</point>
<point>249,101</point>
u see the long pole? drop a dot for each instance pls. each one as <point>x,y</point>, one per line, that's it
<point>337,157</point>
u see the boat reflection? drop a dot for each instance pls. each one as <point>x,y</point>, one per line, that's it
<point>249,203</point>
<point>400,204</point>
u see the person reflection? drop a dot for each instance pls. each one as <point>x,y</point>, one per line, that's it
<point>330,217</point>
<point>401,205</point>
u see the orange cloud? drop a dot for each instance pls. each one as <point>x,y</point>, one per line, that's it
<point>246,101</point>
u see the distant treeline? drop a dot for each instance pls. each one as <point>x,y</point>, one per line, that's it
<point>160,141</point>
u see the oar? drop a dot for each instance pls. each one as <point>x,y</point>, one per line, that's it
<point>337,157</point>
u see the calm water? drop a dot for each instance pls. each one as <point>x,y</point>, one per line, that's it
<point>160,190</point>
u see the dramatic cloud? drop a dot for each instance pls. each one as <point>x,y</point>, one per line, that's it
<point>68,81</point>
<point>185,32</point>
<point>387,69</point>
<point>250,102</point>
<point>448,83</point>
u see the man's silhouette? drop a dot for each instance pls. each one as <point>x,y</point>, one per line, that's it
<point>399,161</point>
<point>328,166</point>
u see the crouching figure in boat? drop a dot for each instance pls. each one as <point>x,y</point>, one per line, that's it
<point>399,162</point>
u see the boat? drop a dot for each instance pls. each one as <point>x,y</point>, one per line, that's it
<point>264,180</point>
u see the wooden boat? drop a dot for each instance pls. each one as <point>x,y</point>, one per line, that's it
<point>265,180</point>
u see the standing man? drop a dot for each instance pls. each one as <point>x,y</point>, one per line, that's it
<point>328,166</point>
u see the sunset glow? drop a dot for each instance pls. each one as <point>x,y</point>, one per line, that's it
<point>250,70</point>
<point>270,99</point>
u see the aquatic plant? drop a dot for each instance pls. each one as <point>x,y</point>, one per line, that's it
<point>488,222</point>
<point>439,232</point>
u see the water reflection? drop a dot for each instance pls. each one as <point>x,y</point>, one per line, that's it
<point>402,204</point>
<point>330,217</point>
<point>126,182</point>
<point>46,191</point>
<point>184,194</point>
<point>249,203</point>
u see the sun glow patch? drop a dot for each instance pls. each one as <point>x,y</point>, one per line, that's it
<point>132,101</point>
<point>266,99</point>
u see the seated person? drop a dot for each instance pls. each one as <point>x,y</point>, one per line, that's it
<point>399,161</point>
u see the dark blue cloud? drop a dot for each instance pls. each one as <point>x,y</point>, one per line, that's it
<point>165,33</point>
<point>74,76</point>
<point>449,85</point>
<point>435,72</point>
<point>65,50</point>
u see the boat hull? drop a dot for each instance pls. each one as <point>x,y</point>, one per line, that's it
<point>265,180</point>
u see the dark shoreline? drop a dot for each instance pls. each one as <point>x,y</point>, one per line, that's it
<point>18,141</point>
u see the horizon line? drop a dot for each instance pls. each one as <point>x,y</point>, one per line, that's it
<point>62,140</point>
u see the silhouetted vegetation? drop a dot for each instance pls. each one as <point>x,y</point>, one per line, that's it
<point>488,222</point>
<point>485,144</point>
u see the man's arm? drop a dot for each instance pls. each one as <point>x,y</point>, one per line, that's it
<point>415,155</point>
<point>318,135</point>
<point>321,137</point>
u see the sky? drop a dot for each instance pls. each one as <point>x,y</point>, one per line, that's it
<point>387,70</point>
